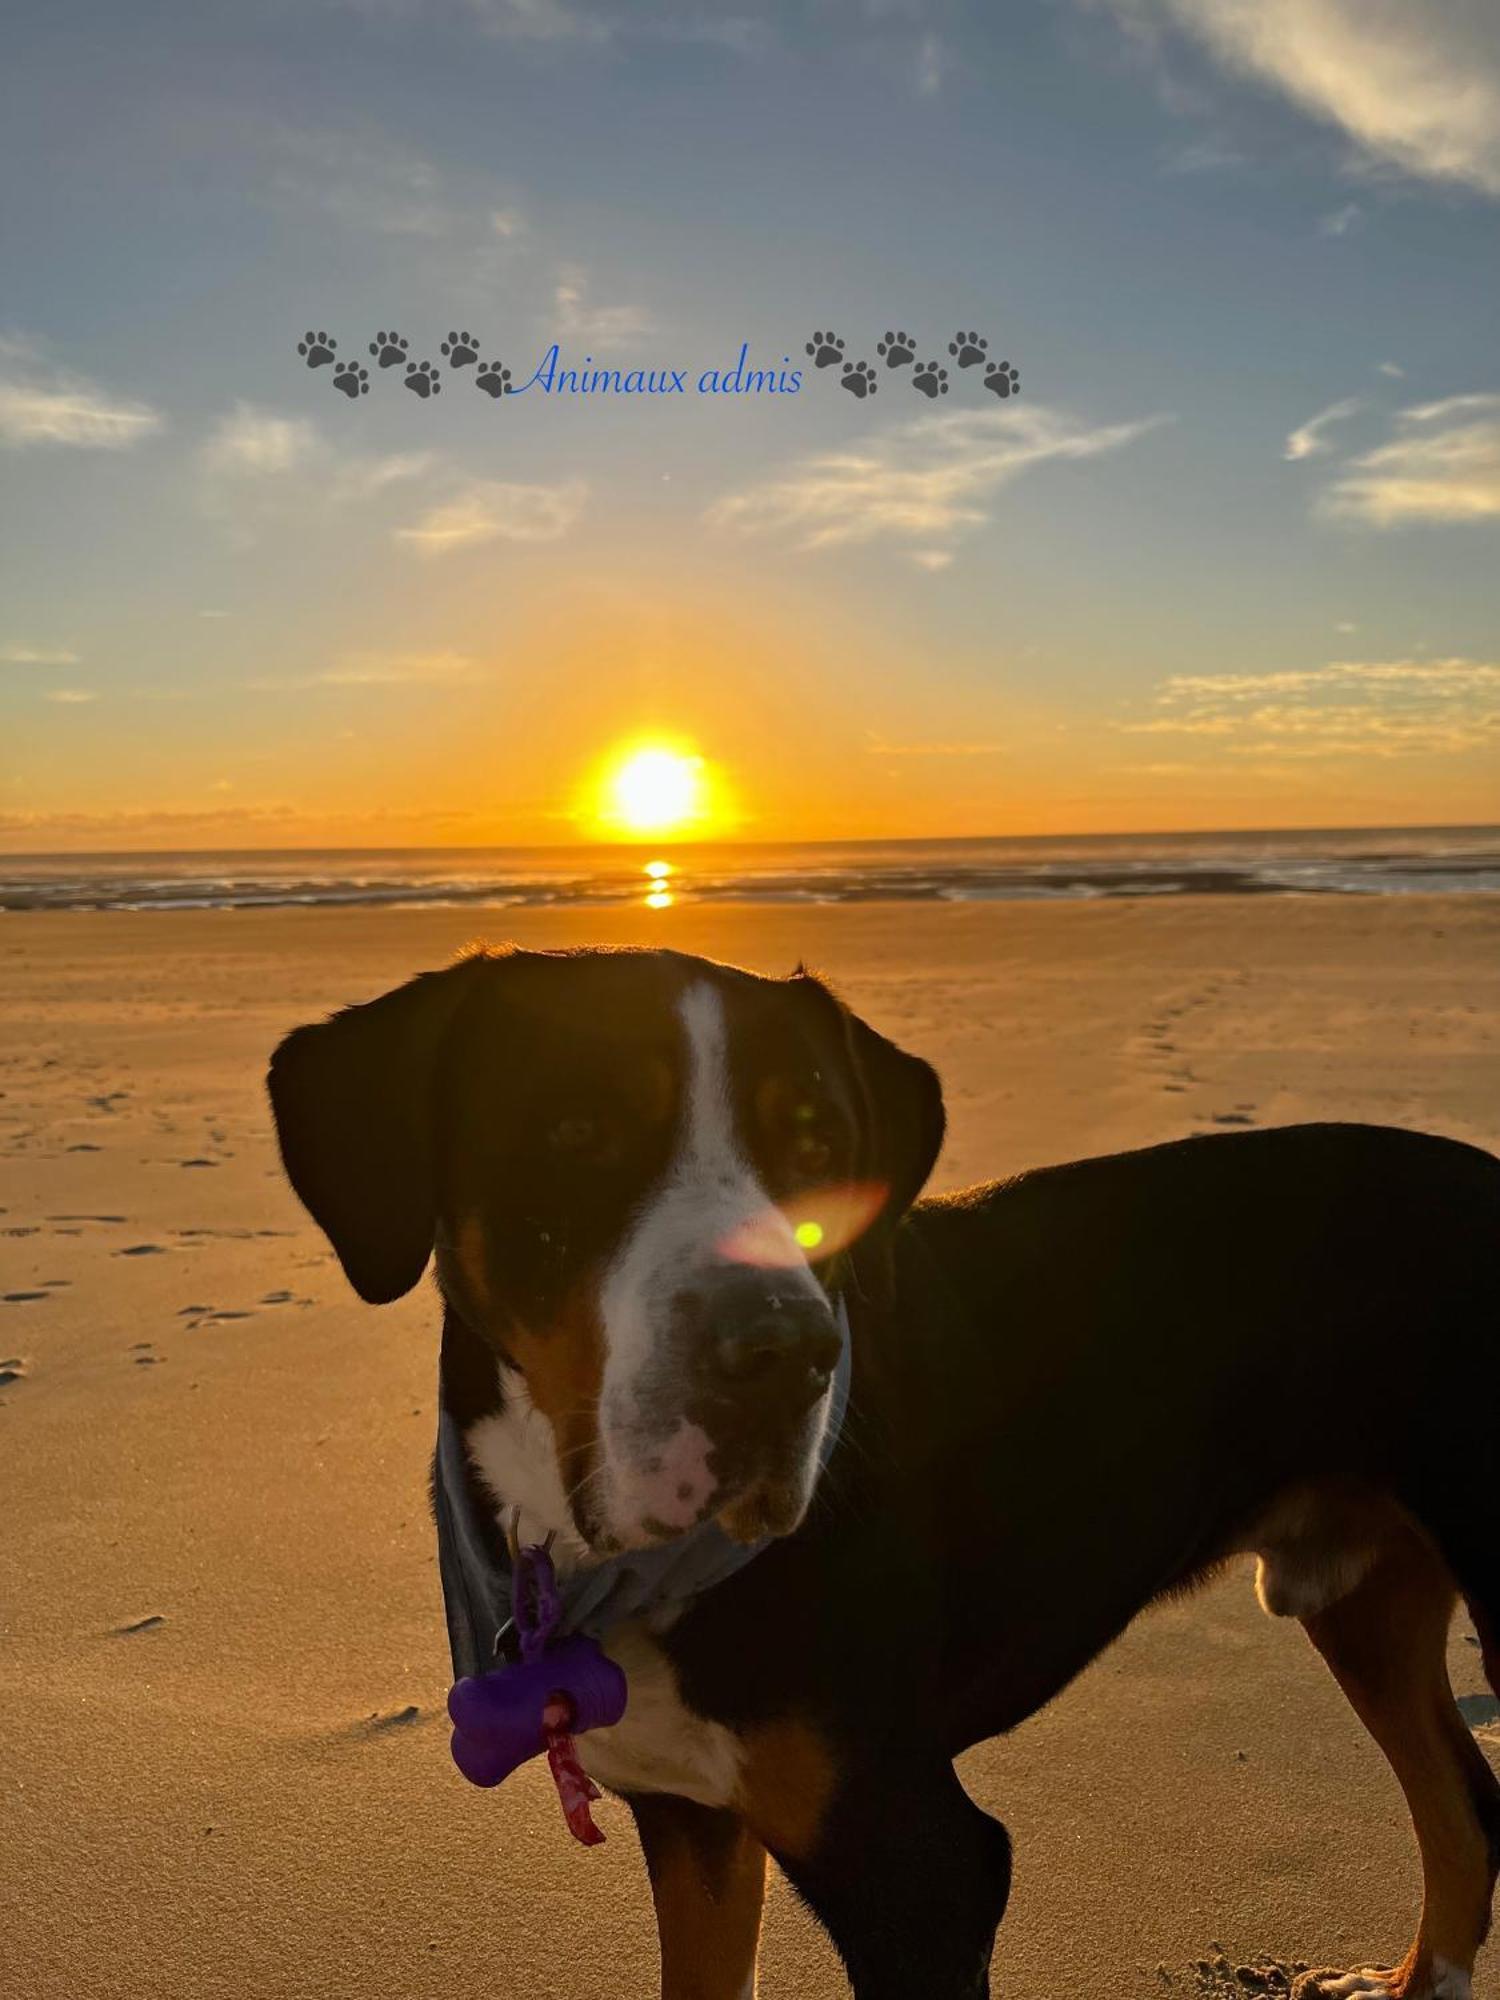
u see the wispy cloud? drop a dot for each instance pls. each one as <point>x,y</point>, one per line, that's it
<point>877,747</point>
<point>366,670</point>
<point>932,66</point>
<point>576,318</point>
<point>925,481</point>
<point>259,465</point>
<point>539,20</point>
<point>1414,87</point>
<point>497,510</point>
<point>1380,708</point>
<point>36,656</point>
<point>567,24</point>
<point>1310,438</point>
<point>70,697</point>
<point>1204,156</point>
<point>360,178</point>
<point>44,404</point>
<point>1340,220</point>
<point>1442,465</point>
<point>399,670</point>
<point>254,441</point>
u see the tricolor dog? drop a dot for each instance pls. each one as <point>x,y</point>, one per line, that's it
<point>673,1208</point>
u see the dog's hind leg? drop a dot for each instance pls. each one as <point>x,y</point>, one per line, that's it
<point>708,1882</point>
<point>1386,1643</point>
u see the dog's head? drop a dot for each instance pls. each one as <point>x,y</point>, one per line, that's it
<point>644,1176</point>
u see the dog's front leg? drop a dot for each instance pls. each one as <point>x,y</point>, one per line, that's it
<point>708,1881</point>
<point>910,1879</point>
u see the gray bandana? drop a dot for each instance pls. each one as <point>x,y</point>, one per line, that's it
<point>653,1583</point>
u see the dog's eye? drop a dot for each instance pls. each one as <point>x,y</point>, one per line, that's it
<point>811,1149</point>
<point>581,1137</point>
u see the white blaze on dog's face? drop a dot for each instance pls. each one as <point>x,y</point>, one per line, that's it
<point>717,1372</point>
<point>640,1171</point>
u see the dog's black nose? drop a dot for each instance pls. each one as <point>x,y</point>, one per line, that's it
<point>783,1351</point>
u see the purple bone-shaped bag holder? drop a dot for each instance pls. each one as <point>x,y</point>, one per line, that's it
<point>497,1717</point>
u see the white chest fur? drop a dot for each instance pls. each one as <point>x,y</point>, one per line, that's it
<point>660,1745</point>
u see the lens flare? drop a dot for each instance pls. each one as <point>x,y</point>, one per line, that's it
<point>821,1223</point>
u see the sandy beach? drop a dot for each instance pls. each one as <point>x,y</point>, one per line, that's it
<point>223,1761</point>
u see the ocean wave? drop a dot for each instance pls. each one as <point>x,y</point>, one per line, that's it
<point>1378,861</point>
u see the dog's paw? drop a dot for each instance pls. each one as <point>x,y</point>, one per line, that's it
<point>899,349</point>
<point>494,380</point>
<point>461,349</point>
<point>316,349</point>
<point>423,379</point>
<point>353,380</point>
<point>859,378</point>
<point>1002,379</point>
<point>931,380</point>
<point>1332,1983</point>
<point>967,348</point>
<point>1442,1982</point>
<point>388,349</point>
<point>825,349</point>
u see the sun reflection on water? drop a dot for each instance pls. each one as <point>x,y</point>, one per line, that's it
<point>658,895</point>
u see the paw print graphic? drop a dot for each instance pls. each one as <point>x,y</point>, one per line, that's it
<point>461,349</point>
<point>825,349</point>
<point>493,379</point>
<point>1003,379</point>
<point>316,348</point>
<point>968,348</point>
<point>898,349</point>
<point>859,379</point>
<point>388,349</point>
<point>423,379</point>
<point>931,380</point>
<point>353,380</point>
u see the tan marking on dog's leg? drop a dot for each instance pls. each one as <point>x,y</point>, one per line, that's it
<point>786,1783</point>
<point>708,1882</point>
<point>1386,1644</point>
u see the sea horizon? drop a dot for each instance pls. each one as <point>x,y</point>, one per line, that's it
<point>1372,860</point>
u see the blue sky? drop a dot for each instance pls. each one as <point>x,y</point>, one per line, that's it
<point>1227,559</point>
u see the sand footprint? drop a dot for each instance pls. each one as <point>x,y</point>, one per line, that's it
<point>12,1370</point>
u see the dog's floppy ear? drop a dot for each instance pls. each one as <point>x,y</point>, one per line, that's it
<point>353,1102</point>
<point>901,1105</point>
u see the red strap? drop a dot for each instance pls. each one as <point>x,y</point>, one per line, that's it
<point>575,1788</point>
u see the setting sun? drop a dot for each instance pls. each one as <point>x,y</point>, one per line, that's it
<point>656,788</point>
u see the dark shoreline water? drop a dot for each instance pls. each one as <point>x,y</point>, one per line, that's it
<point>1369,861</point>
